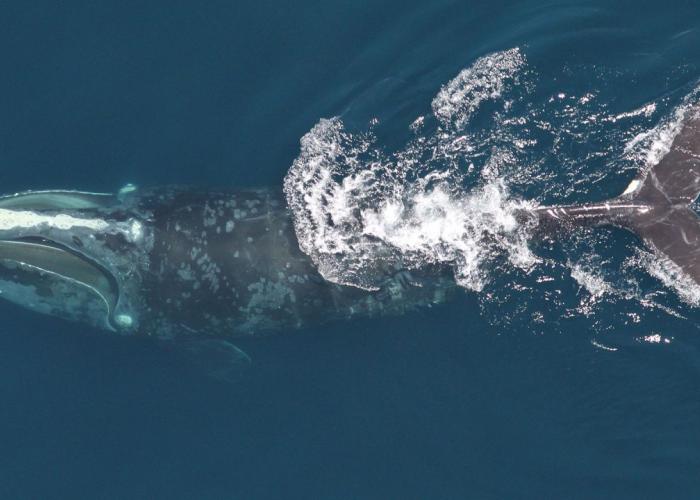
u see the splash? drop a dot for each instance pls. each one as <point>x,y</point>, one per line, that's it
<point>451,195</point>
<point>652,145</point>
<point>671,275</point>
<point>360,213</point>
<point>486,79</point>
<point>591,280</point>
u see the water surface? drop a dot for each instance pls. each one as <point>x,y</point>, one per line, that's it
<point>575,376</point>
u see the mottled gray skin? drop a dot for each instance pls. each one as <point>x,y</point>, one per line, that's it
<point>173,262</point>
<point>228,263</point>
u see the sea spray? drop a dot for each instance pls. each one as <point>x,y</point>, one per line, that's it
<point>358,211</point>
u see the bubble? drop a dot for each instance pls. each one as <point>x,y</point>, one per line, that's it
<point>359,212</point>
<point>453,196</point>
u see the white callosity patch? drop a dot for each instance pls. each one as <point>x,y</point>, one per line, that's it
<point>26,295</point>
<point>16,219</point>
<point>124,320</point>
<point>358,212</point>
<point>136,231</point>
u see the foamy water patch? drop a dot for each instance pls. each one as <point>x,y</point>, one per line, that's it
<point>485,79</point>
<point>444,198</point>
<point>652,145</point>
<point>324,187</point>
<point>670,275</point>
<point>595,288</point>
<point>646,111</point>
<point>655,338</point>
<point>360,213</point>
<point>593,282</point>
<point>464,231</point>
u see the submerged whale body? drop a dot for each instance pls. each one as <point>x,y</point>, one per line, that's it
<point>201,266</point>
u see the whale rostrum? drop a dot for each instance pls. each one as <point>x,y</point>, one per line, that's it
<point>201,266</point>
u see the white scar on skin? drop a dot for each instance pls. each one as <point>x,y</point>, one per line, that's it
<point>12,219</point>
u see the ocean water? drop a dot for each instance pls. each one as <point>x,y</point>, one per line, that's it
<point>565,368</point>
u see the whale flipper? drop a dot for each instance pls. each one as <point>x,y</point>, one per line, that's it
<point>216,358</point>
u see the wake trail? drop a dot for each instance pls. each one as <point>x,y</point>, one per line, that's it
<point>360,211</point>
<point>357,209</point>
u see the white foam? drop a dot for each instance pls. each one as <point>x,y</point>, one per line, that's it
<point>671,275</point>
<point>603,347</point>
<point>358,212</point>
<point>655,338</point>
<point>591,281</point>
<point>651,146</point>
<point>485,79</point>
<point>438,227</point>
<point>647,111</point>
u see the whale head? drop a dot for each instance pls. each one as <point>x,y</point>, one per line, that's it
<point>72,254</point>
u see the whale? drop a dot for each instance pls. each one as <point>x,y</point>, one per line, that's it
<point>190,267</point>
<point>200,267</point>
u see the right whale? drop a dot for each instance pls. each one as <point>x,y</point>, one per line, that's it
<point>656,205</point>
<point>200,266</point>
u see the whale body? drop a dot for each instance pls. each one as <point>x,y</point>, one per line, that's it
<point>196,267</point>
<point>201,266</point>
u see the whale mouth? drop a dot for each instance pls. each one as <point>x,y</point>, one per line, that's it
<point>40,271</point>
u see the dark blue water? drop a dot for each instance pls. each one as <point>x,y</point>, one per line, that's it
<point>555,392</point>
